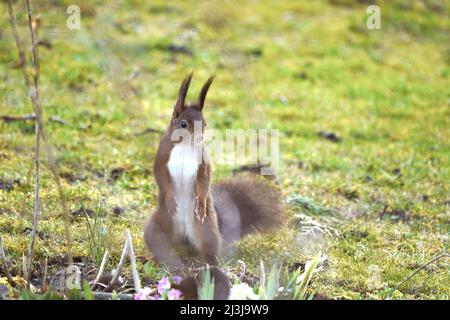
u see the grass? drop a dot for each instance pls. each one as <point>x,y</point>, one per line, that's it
<point>301,67</point>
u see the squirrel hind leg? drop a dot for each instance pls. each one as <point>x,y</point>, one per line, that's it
<point>159,244</point>
<point>229,219</point>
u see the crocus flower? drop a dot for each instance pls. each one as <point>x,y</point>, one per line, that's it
<point>3,290</point>
<point>163,285</point>
<point>174,294</point>
<point>176,279</point>
<point>143,294</point>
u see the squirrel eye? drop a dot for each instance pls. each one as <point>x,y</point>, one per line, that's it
<point>183,124</point>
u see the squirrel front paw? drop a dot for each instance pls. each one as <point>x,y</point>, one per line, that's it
<point>200,209</point>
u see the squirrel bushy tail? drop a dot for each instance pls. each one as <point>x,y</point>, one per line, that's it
<point>258,203</point>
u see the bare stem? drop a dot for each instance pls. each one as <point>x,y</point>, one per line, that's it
<point>22,60</point>
<point>36,145</point>
<point>38,119</point>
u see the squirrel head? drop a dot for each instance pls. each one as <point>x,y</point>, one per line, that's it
<point>188,118</point>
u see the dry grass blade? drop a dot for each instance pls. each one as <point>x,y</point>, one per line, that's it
<point>44,276</point>
<point>136,280</point>
<point>5,263</point>
<point>127,250</point>
<point>101,270</point>
<point>119,268</point>
<point>444,255</point>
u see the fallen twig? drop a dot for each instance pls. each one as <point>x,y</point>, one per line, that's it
<point>26,117</point>
<point>29,117</point>
<point>101,270</point>
<point>420,268</point>
<point>5,263</point>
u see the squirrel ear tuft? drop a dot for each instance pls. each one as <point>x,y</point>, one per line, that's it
<point>181,100</point>
<point>203,92</point>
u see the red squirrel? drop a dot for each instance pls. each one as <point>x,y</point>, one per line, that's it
<point>210,218</point>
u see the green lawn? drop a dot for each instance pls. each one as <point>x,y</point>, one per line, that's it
<point>379,197</point>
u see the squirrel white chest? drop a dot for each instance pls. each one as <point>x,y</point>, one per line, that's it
<point>183,166</point>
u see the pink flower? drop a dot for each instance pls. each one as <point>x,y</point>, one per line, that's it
<point>143,294</point>
<point>174,294</point>
<point>163,285</point>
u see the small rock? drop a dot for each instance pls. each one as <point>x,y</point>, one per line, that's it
<point>331,136</point>
<point>8,185</point>
<point>359,234</point>
<point>179,49</point>
<point>350,194</point>
<point>41,234</point>
<point>71,178</point>
<point>301,75</point>
<point>5,185</point>
<point>83,211</point>
<point>118,210</point>
<point>256,52</point>
<point>116,173</point>
<point>395,214</point>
